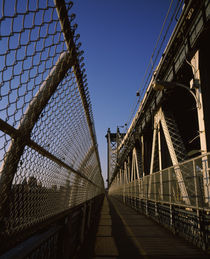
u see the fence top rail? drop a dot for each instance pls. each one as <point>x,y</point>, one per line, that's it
<point>191,160</point>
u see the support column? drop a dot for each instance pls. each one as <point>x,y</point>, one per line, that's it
<point>153,154</point>
<point>201,125</point>
<point>174,159</point>
<point>196,81</point>
<point>108,157</point>
<point>142,154</point>
<point>153,147</point>
<point>160,162</point>
<point>125,182</point>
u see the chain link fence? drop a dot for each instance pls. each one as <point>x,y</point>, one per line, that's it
<point>48,150</point>
<point>165,187</point>
<point>160,197</point>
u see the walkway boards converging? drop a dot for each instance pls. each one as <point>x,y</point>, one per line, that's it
<point>123,233</point>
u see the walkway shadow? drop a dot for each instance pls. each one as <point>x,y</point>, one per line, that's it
<point>87,249</point>
<point>124,244</point>
<point>126,248</point>
<point>120,232</point>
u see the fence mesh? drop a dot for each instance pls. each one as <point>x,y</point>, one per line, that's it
<point>165,187</point>
<point>41,106</point>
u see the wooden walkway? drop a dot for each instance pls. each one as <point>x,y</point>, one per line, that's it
<point>123,233</point>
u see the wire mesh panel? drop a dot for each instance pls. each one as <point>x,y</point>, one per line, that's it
<point>48,154</point>
<point>164,186</point>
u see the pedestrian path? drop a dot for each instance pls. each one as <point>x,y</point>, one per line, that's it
<point>123,233</point>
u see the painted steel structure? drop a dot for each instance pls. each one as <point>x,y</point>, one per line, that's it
<point>162,167</point>
<point>113,139</point>
<point>51,186</point>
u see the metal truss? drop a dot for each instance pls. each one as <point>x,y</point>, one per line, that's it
<point>177,196</point>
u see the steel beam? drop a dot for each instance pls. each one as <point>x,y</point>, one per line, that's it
<point>174,159</point>
<point>201,126</point>
<point>17,145</point>
<point>68,35</point>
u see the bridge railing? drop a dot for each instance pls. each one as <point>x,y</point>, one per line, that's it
<point>164,186</point>
<point>48,149</point>
<point>159,196</point>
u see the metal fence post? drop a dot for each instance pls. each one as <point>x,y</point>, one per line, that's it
<point>170,193</point>
<point>89,214</point>
<point>203,230</point>
<point>32,114</point>
<point>83,225</point>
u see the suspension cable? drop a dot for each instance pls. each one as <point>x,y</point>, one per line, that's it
<point>152,61</point>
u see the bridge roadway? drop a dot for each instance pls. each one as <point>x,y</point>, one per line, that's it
<point>121,232</point>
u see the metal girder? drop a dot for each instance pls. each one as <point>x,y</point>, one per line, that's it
<point>160,118</point>
<point>134,168</point>
<point>31,116</point>
<point>111,155</point>
<point>174,159</point>
<point>201,126</point>
<point>66,28</point>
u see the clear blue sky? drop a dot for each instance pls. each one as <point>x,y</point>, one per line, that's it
<point>118,38</point>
